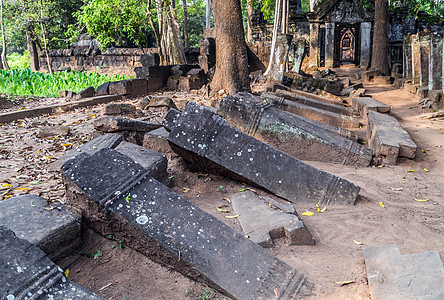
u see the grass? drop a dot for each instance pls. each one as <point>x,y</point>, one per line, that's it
<point>24,82</point>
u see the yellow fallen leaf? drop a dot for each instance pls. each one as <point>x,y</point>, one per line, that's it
<point>344,282</point>
<point>38,151</point>
<point>381,204</point>
<point>66,145</point>
<point>308,213</point>
<point>324,209</point>
<point>47,157</point>
<point>426,170</point>
<point>381,166</point>
<point>7,197</point>
<point>6,184</point>
<point>22,188</point>
<point>66,273</point>
<point>421,200</point>
<point>92,115</point>
<point>317,208</point>
<point>423,151</point>
<point>185,190</point>
<point>219,208</point>
<point>357,243</point>
<point>232,217</point>
<point>228,200</point>
<point>410,171</point>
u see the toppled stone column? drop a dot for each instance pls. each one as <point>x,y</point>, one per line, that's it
<point>204,138</point>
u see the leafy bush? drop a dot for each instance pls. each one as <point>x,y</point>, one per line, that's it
<point>26,83</point>
<point>18,61</point>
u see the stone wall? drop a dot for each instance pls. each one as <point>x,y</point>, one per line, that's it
<point>423,67</point>
<point>112,61</point>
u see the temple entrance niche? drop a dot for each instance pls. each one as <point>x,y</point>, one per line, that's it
<point>347,44</point>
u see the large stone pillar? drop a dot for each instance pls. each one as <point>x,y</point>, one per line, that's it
<point>424,51</point>
<point>415,59</point>
<point>329,44</point>
<point>436,64</point>
<point>407,57</point>
<point>314,44</point>
<point>366,30</point>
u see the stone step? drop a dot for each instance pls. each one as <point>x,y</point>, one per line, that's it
<point>27,273</point>
<point>54,228</point>
<point>204,138</point>
<point>388,139</point>
<point>161,224</point>
<point>339,109</point>
<point>272,224</point>
<point>364,104</point>
<point>297,136</point>
<point>313,113</point>
<point>395,276</point>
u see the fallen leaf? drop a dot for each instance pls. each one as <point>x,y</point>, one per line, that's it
<point>400,176</point>
<point>341,283</point>
<point>66,273</point>
<point>308,213</point>
<point>426,170</point>
<point>276,293</point>
<point>381,204</point>
<point>66,145</point>
<point>6,184</point>
<point>32,204</point>
<point>228,200</point>
<point>423,151</point>
<point>185,190</point>
<point>247,236</point>
<point>22,188</point>
<point>397,189</point>
<point>357,243</point>
<point>241,190</point>
<point>324,209</point>
<point>410,170</point>
<point>219,208</point>
<point>421,200</point>
<point>232,217</point>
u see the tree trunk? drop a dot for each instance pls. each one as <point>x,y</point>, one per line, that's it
<point>208,15</point>
<point>32,48</point>
<point>231,51</point>
<point>380,38</point>
<point>45,45</point>
<point>156,32</point>
<point>4,61</point>
<point>277,17</point>
<point>249,24</point>
<point>185,25</point>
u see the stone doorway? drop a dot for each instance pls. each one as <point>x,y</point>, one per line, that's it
<point>347,44</point>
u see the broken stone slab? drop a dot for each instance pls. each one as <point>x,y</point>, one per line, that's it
<point>204,138</point>
<point>27,273</point>
<point>54,228</point>
<point>277,86</point>
<point>119,109</point>
<point>150,59</point>
<point>113,124</point>
<point>150,160</point>
<point>370,75</point>
<point>320,115</point>
<point>157,140</point>
<point>364,104</point>
<point>103,89</point>
<point>107,140</point>
<point>86,93</point>
<point>48,131</point>
<point>388,139</point>
<point>285,207</point>
<point>295,135</point>
<point>171,119</point>
<point>348,90</point>
<point>139,86</point>
<point>336,108</point>
<point>122,87</point>
<point>163,225</point>
<point>263,224</point>
<point>395,276</point>
<point>156,101</point>
<point>5,103</point>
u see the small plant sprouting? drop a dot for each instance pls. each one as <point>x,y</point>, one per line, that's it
<point>179,255</point>
<point>206,295</point>
<point>189,290</point>
<point>220,187</point>
<point>118,242</point>
<point>96,255</point>
<point>128,198</point>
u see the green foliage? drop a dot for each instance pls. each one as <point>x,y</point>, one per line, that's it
<point>18,61</point>
<point>196,19</point>
<point>26,83</point>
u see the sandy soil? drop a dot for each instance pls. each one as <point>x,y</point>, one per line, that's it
<point>125,274</point>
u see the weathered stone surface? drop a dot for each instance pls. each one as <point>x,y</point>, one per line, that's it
<point>151,217</point>
<point>413,88</point>
<point>395,276</point>
<point>336,108</point>
<point>364,104</point>
<point>86,93</point>
<point>388,139</point>
<point>382,80</point>
<point>139,86</point>
<point>173,83</point>
<point>150,60</point>
<point>277,86</point>
<point>156,76</point>
<point>103,89</point>
<point>27,273</point>
<point>48,131</point>
<point>193,80</point>
<point>295,135</point>
<point>356,93</point>
<point>119,109</point>
<point>422,92</point>
<point>150,160</point>
<point>112,124</point>
<point>181,70</point>
<point>272,223</point>
<point>156,101</point>
<point>348,90</point>
<point>108,140</point>
<point>55,231</point>
<point>157,140</point>
<point>285,207</point>
<point>437,97</point>
<point>122,87</point>
<point>171,119</point>
<point>313,113</point>
<point>370,75</point>
<point>204,138</point>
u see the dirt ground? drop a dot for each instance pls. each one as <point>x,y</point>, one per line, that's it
<point>125,274</point>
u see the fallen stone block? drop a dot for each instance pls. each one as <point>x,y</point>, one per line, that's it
<point>193,80</point>
<point>388,139</point>
<point>86,93</point>
<point>370,75</point>
<point>139,86</point>
<point>313,113</point>
<point>171,119</point>
<point>5,103</point>
<point>27,273</point>
<point>395,276</point>
<point>122,87</point>
<point>285,207</point>
<point>295,135</point>
<point>119,109</point>
<point>333,87</point>
<point>171,230</point>
<point>422,92</point>
<point>108,140</point>
<point>348,90</point>
<point>356,93</point>
<point>437,97</point>
<point>364,104</point>
<point>157,76</point>
<point>173,83</point>
<point>150,59</point>
<point>339,109</point>
<point>263,224</point>
<point>103,89</point>
<point>49,131</point>
<point>204,138</point>
<point>157,140</point>
<point>156,101</point>
<point>277,86</point>
<point>413,88</point>
<point>113,124</point>
<point>180,70</point>
<point>150,160</point>
<point>52,227</point>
